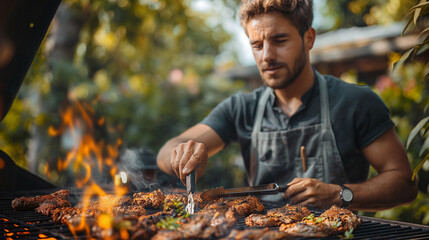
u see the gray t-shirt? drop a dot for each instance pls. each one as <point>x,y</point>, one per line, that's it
<point>358,117</point>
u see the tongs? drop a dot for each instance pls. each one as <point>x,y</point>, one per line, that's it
<point>221,192</point>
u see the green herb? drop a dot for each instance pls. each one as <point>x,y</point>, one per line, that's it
<point>337,224</point>
<point>309,217</point>
<point>319,219</point>
<point>170,223</point>
<point>348,234</point>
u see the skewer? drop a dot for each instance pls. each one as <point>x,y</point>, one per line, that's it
<point>303,158</point>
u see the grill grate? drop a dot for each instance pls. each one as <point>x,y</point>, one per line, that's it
<point>31,225</point>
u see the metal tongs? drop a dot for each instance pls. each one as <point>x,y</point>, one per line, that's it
<point>221,192</point>
<point>190,189</point>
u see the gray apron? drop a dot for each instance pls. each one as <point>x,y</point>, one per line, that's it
<point>275,156</point>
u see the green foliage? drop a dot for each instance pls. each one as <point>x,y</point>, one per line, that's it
<point>146,67</point>
<point>408,99</point>
<point>346,13</point>
<point>422,128</point>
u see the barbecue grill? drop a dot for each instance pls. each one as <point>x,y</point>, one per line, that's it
<point>32,225</point>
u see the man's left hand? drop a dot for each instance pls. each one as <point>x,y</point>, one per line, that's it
<point>312,192</point>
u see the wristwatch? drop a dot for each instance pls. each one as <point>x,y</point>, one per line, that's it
<point>346,195</point>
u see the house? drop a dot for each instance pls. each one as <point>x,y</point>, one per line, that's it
<point>364,50</point>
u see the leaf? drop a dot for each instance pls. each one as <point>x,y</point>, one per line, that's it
<point>403,58</point>
<point>420,5</point>
<point>424,147</point>
<point>417,14</point>
<point>406,26</point>
<point>416,130</point>
<point>421,34</point>
<point>417,169</point>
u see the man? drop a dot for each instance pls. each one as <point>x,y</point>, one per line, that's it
<point>314,133</point>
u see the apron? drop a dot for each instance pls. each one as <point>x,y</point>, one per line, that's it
<point>275,156</point>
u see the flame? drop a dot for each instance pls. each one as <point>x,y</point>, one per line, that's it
<point>86,156</point>
<point>21,234</point>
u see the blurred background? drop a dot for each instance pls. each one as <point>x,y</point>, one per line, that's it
<point>118,75</point>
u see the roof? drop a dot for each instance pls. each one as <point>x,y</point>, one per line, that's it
<point>355,42</point>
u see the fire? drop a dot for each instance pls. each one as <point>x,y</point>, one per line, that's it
<point>89,156</point>
<point>13,234</point>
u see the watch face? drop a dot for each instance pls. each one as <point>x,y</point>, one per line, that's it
<point>347,195</point>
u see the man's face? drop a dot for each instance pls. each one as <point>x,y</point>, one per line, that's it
<point>278,49</point>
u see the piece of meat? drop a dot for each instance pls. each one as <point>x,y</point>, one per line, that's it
<point>243,206</point>
<point>48,206</point>
<point>341,219</point>
<point>307,229</point>
<point>207,225</point>
<point>257,234</point>
<point>131,210</point>
<point>249,234</point>
<point>275,217</point>
<point>31,203</point>
<point>154,199</point>
<point>247,205</point>
<point>147,225</point>
<point>62,215</point>
<point>167,234</point>
<point>333,221</point>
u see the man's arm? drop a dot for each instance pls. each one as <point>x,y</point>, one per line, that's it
<point>189,151</point>
<point>391,187</point>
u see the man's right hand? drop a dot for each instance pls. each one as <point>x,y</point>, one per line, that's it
<point>189,151</point>
<point>187,157</point>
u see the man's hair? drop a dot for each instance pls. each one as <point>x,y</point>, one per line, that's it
<point>299,12</point>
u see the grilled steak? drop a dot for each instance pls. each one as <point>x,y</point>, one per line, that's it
<point>333,221</point>
<point>132,210</point>
<point>341,219</point>
<point>276,217</point>
<point>243,206</point>
<point>259,234</point>
<point>47,206</point>
<point>153,199</point>
<point>147,225</point>
<point>30,203</point>
<point>307,229</point>
<point>247,205</point>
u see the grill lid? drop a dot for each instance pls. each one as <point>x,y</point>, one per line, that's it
<point>23,25</point>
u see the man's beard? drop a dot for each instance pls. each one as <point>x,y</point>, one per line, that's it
<point>291,75</point>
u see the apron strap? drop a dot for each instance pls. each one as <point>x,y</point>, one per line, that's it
<point>260,111</point>
<point>253,162</point>
<point>324,102</point>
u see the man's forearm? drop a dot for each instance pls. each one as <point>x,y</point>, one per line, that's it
<point>164,155</point>
<point>387,190</point>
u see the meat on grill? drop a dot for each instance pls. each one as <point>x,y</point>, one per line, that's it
<point>147,225</point>
<point>48,206</point>
<point>275,217</point>
<point>203,225</point>
<point>106,204</point>
<point>154,199</point>
<point>341,219</point>
<point>30,203</point>
<point>243,206</point>
<point>257,234</point>
<point>247,205</point>
<point>159,200</point>
<point>307,228</point>
<point>333,221</point>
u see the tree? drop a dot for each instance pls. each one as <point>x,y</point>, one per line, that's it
<point>146,68</point>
